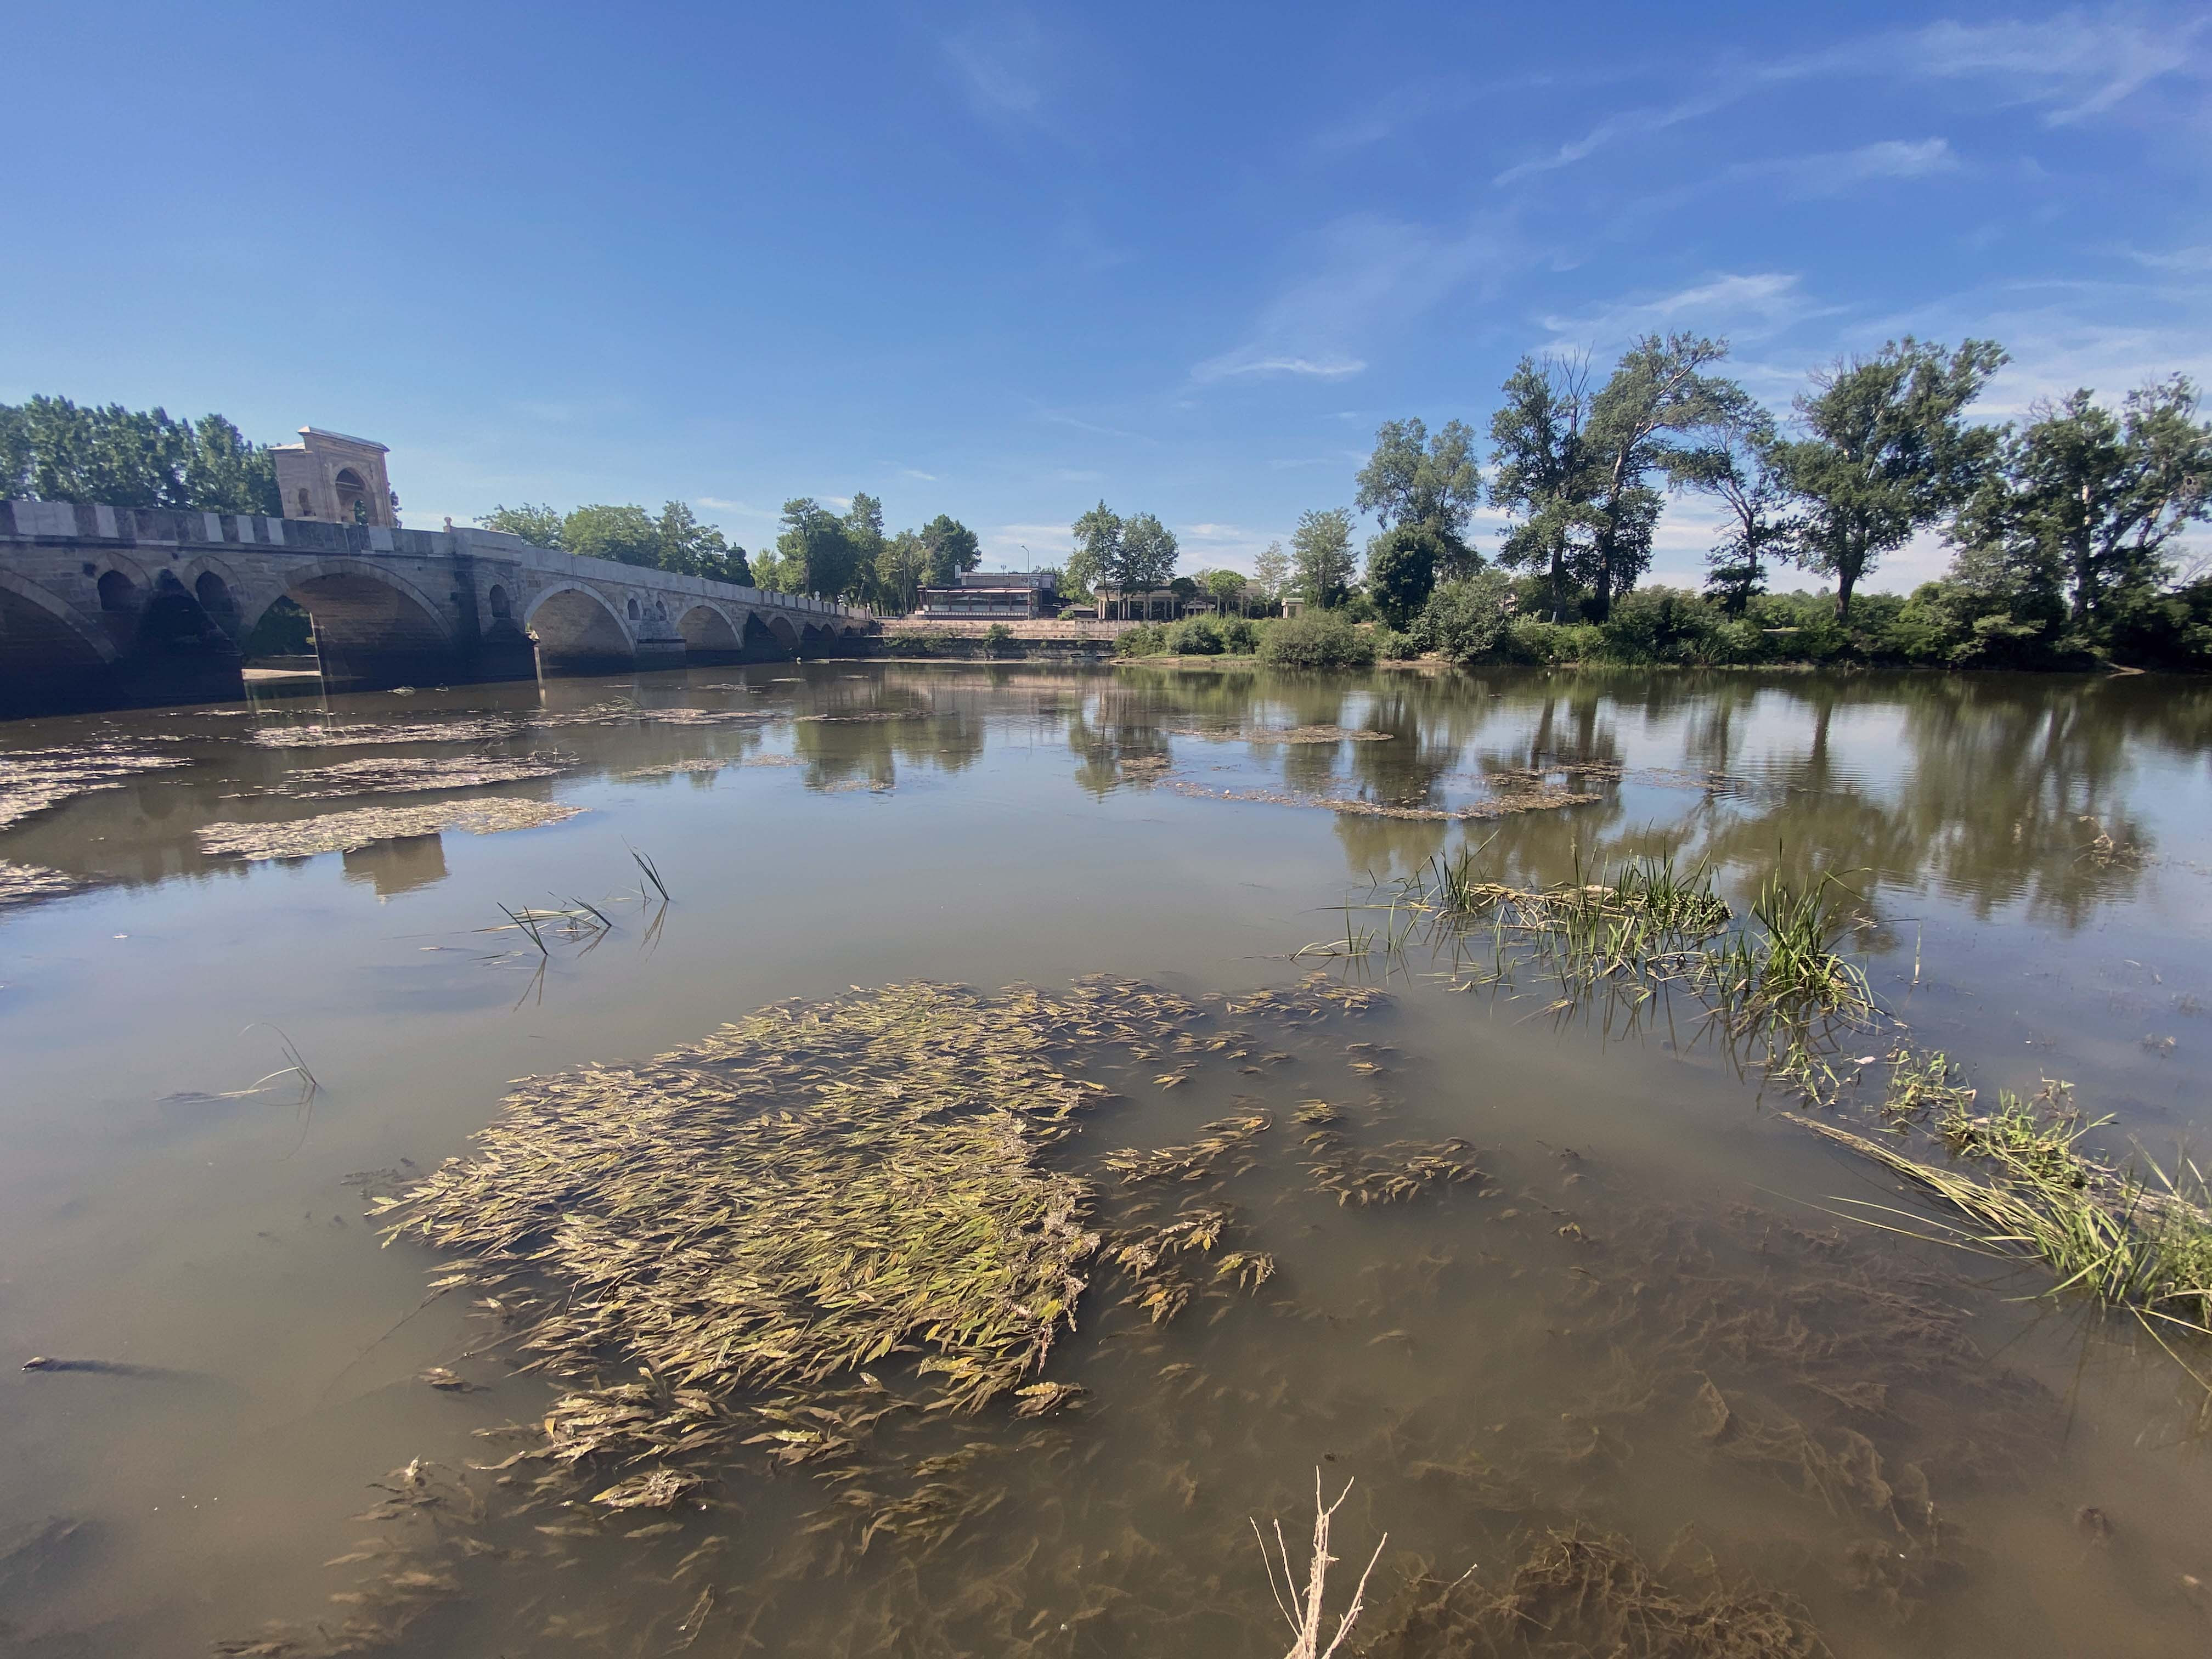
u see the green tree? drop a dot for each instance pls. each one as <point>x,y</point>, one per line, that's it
<point>1887,452</point>
<point>1401,570</point>
<point>901,570</point>
<point>1464,620</point>
<point>1413,479</point>
<point>51,449</point>
<point>864,529</point>
<point>1096,561</point>
<point>1541,471</point>
<point>2087,500</point>
<point>1732,461</point>
<point>953,548</point>
<point>1321,552</point>
<point>538,525</point>
<point>1149,552</point>
<point>627,535</point>
<point>692,549</point>
<point>1270,574</point>
<point>1658,392</point>
<point>1227,586</point>
<point>814,550</point>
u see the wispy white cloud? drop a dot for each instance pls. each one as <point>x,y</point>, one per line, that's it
<point>1629,123</point>
<point>2072,65</point>
<point>742,510</point>
<point>998,63</point>
<point>917,472</point>
<point>1234,363</point>
<point>1832,173</point>
<point>1077,475</point>
<point>2185,261</point>
<point>1753,306</point>
<point>1061,417</point>
<point>1370,273</point>
<point>2075,64</point>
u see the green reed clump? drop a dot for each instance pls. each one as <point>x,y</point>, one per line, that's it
<point>1924,1082</point>
<point>1792,969</point>
<point>2126,1238</point>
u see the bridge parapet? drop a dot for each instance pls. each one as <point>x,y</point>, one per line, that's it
<point>103,603</point>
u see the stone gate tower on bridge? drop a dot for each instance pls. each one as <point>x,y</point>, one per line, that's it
<point>335,479</point>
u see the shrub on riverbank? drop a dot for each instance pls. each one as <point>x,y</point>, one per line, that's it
<point>1319,638</point>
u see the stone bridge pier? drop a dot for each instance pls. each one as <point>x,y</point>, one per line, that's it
<point>103,605</point>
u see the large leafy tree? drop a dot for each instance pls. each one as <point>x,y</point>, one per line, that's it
<point>2088,500</point>
<point>627,534</point>
<point>692,549</point>
<point>1732,461</point>
<point>952,548</point>
<point>1149,551</point>
<point>1413,479</point>
<point>814,552</point>
<point>1271,573</point>
<point>1402,571</point>
<point>902,569</point>
<point>1540,476</point>
<point>1320,554</point>
<point>1228,588</point>
<point>54,449</point>
<point>1887,452</point>
<point>538,525</point>
<point>1659,392</point>
<point>1096,562</point>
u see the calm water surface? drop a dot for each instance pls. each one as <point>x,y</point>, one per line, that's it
<point>1912,1434</point>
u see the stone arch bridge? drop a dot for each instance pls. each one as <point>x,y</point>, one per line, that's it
<point>102,605</point>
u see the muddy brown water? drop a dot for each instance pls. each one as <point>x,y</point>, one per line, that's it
<point>1643,1321</point>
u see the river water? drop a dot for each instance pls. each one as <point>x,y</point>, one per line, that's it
<point>1644,1321</point>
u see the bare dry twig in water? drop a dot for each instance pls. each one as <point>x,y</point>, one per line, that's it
<point>1302,1610</point>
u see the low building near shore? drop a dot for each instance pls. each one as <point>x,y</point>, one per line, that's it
<point>993,596</point>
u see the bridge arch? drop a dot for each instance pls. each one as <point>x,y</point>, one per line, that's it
<point>708,633</point>
<point>816,641</point>
<point>216,589</point>
<point>50,652</point>
<point>372,625</point>
<point>577,628</point>
<point>770,636</point>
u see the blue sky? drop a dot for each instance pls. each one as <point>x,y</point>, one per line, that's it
<point>1001,262</point>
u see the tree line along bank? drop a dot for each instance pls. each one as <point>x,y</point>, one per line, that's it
<point>2065,530</point>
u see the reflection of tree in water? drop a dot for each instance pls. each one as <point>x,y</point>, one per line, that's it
<point>2004,784</point>
<point>1119,737</point>
<point>841,752</point>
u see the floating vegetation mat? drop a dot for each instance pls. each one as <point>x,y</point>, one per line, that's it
<point>33,780</point>
<point>396,777</point>
<point>22,883</point>
<point>344,832</point>
<point>1285,734</point>
<point>359,734</point>
<point>1499,806</point>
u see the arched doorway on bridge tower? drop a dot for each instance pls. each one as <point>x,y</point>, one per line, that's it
<point>372,627</point>
<point>708,635</point>
<point>51,657</point>
<point>578,634</point>
<point>353,497</point>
